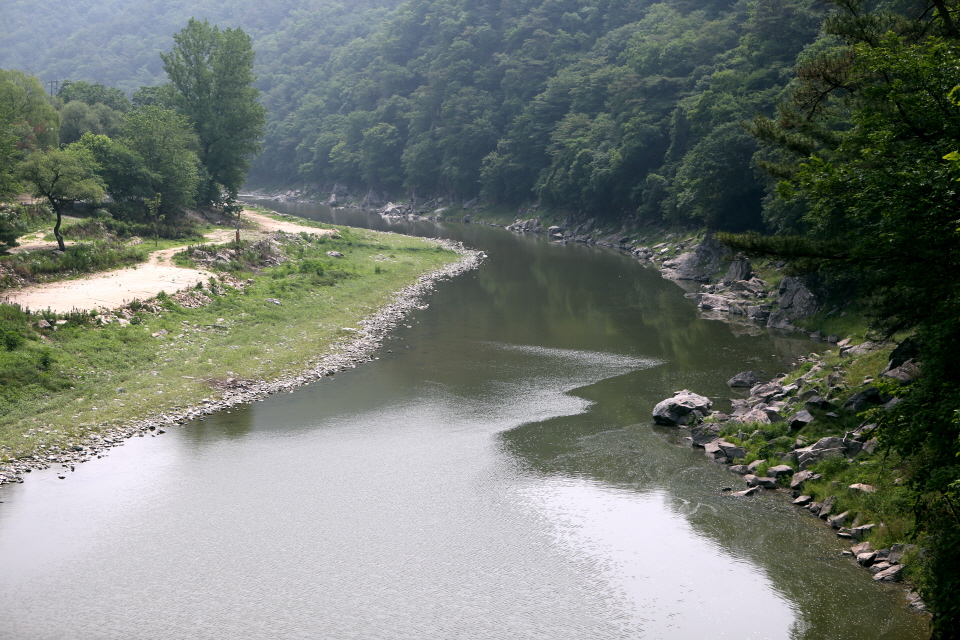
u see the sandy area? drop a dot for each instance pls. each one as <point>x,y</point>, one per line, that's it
<point>113,289</point>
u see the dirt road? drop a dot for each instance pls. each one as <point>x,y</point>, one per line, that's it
<point>113,289</point>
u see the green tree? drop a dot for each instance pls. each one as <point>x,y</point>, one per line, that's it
<point>93,93</point>
<point>166,143</point>
<point>27,122</point>
<point>62,177</point>
<point>212,71</point>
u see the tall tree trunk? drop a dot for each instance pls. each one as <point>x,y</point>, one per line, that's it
<point>56,227</point>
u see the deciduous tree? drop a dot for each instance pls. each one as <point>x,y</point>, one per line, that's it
<point>212,72</point>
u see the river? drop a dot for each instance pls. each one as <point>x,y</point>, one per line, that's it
<point>495,474</point>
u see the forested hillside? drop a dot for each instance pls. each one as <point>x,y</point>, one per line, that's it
<point>609,107</point>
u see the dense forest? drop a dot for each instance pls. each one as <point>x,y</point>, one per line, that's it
<point>825,135</point>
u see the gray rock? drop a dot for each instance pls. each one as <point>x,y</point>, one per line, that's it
<point>838,520</point>
<point>825,508</point>
<point>862,488</point>
<point>802,501</point>
<point>862,530</point>
<point>780,470</point>
<point>794,301</point>
<point>760,481</point>
<point>713,451</point>
<point>741,469</point>
<point>334,254</point>
<point>754,416</point>
<point>704,433</point>
<point>800,419</point>
<point>700,264</point>
<point>862,547</point>
<point>892,574</point>
<point>803,476</point>
<point>753,466</point>
<point>863,400</point>
<point>866,559</point>
<point>682,409</point>
<point>817,402</point>
<point>739,270</point>
<point>732,451</point>
<point>747,379</point>
<point>906,373</point>
<point>766,391</point>
<point>746,492</point>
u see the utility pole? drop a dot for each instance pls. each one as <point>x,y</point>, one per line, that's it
<point>55,86</point>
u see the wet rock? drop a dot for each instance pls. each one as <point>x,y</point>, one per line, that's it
<point>760,481</point>
<point>704,433</point>
<point>746,379</point>
<point>683,408</point>
<point>747,492</point>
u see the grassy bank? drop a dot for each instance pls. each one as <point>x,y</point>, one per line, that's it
<point>58,383</point>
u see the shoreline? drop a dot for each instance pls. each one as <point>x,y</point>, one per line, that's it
<point>339,357</point>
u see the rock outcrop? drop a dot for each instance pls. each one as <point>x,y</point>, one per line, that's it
<point>682,409</point>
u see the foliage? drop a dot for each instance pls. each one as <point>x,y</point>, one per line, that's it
<point>27,122</point>
<point>62,177</point>
<point>211,71</point>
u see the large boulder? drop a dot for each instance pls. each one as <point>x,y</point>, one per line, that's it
<point>794,301</point>
<point>906,373</point>
<point>755,415</point>
<point>825,448</point>
<point>803,476</point>
<point>745,379</point>
<point>739,270</point>
<point>682,409</point>
<point>863,400</point>
<point>700,264</point>
<point>800,419</point>
<point>766,391</point>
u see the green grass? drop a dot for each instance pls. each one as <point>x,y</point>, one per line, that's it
<point>79,368</point>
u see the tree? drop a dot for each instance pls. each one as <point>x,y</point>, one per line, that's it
<point>92,93</point>
<point>166,143</point>
<point>62,177</point>
<point>27,121</point>
<point>212,72</point>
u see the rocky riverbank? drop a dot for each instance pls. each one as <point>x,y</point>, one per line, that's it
<point>771,440</point>
<point>346,355</point>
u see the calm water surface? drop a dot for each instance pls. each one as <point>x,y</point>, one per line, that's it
<point>495,476</point>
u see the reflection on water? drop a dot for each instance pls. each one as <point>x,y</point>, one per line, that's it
<point>495,476</point>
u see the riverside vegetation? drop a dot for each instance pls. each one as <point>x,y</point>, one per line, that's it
<point>279,305</point>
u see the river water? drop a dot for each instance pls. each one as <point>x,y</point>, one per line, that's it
<point>495,474</point>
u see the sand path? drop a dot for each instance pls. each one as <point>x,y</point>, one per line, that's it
<point>113,289</point>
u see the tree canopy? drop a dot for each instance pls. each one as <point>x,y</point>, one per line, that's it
<point>212,72</point>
